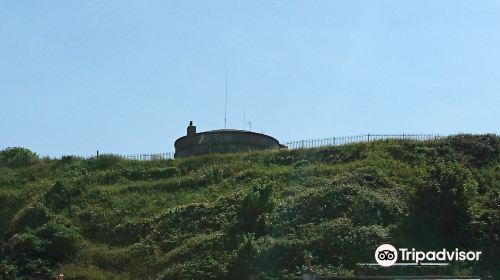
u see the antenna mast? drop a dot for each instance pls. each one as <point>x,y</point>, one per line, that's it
<point>225,107</point>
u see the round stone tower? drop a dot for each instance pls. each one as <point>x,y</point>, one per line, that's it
<point>222,141</point>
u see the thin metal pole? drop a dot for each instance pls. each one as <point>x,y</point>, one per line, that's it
<point>225,107</point>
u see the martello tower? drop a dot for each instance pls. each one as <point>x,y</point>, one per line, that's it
<point>222,141</point>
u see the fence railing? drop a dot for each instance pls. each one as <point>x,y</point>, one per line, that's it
<point>157,156</point>
<point>343,140</point>
<point>310,143</point>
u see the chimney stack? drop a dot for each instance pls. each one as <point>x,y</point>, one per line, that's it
<point>191,129</point>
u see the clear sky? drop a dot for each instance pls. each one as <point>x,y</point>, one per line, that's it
<point>127,76</point>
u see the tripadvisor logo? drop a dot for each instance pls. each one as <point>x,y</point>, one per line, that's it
<point>388,255</point>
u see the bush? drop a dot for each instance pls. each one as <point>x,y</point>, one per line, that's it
<point>35,252</point>
<point>340,242</point>
<point>104,162</point>
<point>477,150</point>
<point>17,157</point>
<point>31,216</point>
<point>7,271</point>
<point>52,241</point>
<point>61,243</point>
<point>252,213</point>
<point>439,211</point>
<point>243,265</point>
<point>365,206</point>
<point>61,194</point>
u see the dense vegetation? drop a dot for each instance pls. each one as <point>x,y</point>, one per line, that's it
<point>248,216</point>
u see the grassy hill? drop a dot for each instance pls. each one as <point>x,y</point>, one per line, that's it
<point>249,216</point>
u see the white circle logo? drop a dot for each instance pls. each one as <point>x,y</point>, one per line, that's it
<point>386,255</point>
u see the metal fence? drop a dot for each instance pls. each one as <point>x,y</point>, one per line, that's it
<point>343,140</point>
<point>310,143</point>
<point>142,157</point>
<point>157,156</point>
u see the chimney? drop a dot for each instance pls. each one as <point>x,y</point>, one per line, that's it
<point>191,129</point>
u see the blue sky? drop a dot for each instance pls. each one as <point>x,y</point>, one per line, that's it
<point>127,76</point>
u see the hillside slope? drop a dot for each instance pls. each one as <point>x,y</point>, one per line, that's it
<point>249,216</point>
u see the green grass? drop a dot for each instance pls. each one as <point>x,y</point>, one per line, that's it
<point>251,215</point>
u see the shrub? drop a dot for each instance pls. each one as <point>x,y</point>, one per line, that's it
<point>104,162</point>
<point>36,252</point>
<point>60,242</point>
<point>61,194</point>
<point>365,206</point>
<point>7,271</point>
<point>340,242</point>
<point>17,157</point>
<point>31,216</point>
<point>52,241</point>
<point>439,212</point>
<point>243,265</point>
<point>477,150</point>
<point>251,214</point>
